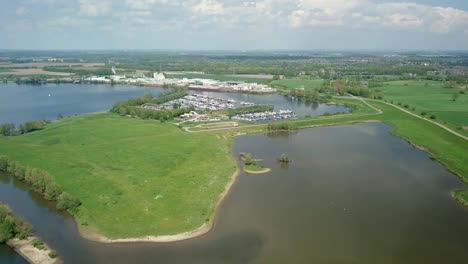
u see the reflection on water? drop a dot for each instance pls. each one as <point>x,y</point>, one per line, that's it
<point>8,256</point>
<point>352,194</point>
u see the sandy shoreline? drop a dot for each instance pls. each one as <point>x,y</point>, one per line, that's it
<point>93,235</point>
<point>265,170</point>
<point>32,254</point>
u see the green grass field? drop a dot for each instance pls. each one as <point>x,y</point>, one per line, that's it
<point>298,83</point>
<point>134,177</point>
<point>431,98</point>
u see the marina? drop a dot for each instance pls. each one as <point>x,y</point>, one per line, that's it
<point>266,116</point>
<point>202,102</point>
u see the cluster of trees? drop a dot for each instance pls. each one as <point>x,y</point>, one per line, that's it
<point>285,125</point>
<point>284,158</point>
<point>340,87</point>
<point>12,226</point>
<point>100,72</point>
<point>131,107</point>
<point>250,109</point>
<point>248,159</point>
<point>305,95</point>
<point>359,91</point>
<point>170,95</point>
<point>42,183</point>
<point>10,129</point>
<point>161,115</point>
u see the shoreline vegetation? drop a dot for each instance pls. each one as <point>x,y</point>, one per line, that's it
<point>439,143</point>
<point>16,233</point>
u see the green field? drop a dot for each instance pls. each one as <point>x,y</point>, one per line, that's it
<point>298,83</point>
<point>134,177</point>
<point>430,97</point>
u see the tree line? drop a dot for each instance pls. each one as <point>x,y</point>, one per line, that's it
<point>10,129</point>
<point>250,109</point>
<point>133,107</point>
<point>170,95</point>
<point>284,125</point>
<point>42,183</point>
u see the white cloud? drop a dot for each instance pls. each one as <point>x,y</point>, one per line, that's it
<point>224,15</point>
<point>21,11</point>
<point>208,7</point>
<point>358,13</point>
<point>95,8</point>
<point>143,4</point>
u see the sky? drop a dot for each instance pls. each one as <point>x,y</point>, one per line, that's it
<point>234,24</point>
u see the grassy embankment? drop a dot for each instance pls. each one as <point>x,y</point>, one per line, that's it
<point>433,99</point>
<point>134,177</point>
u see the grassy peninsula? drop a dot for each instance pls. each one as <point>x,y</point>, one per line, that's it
<point>134,177</point>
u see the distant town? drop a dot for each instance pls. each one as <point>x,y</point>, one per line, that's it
<point>159,79</point>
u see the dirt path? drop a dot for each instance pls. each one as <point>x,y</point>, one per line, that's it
<point>428,120</point>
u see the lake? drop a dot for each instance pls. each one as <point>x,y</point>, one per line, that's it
<point>352,194</point>
<point>24,102</point>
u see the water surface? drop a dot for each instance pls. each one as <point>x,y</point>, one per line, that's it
<point>353,194</point>
<point>24,102</point>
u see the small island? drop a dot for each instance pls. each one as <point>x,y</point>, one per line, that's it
<point>16,233</point>
<point>251,166</point>
<point>284,158</point>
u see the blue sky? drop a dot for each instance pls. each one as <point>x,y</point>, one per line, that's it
<point>234,24</point>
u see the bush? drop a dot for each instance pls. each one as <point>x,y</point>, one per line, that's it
<point>30,126</point>
<point>406,106</point>
<point>52,191</point>
<point>284,158</point>
<point>250,109</point>
<point>66,202</point>
<point>7,229</point>
<point>423,113</point>
<point>249,159</point>
<point>3,163</point>
<point>399,103</point>
<point>7,129</point>
<point>53,254</point>
<point>280,126</point>
<point>170,95</point>
<point>38,244</point>
<point>11,226</point>
<point>432,117</point>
